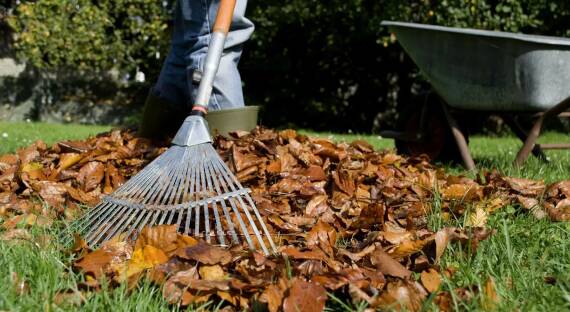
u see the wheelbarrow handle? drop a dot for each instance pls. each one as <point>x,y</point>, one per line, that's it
<point>215,50</point>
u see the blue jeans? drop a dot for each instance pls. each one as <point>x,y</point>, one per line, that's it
<point>193,22</point>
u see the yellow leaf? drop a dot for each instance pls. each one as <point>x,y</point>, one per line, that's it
<point>32,166</point>
<point>68,159</point>
<point>145,258</point>
<point>211,272</point>
<point>477,218</point>
<point>491,205</point>
<point>461,192</point>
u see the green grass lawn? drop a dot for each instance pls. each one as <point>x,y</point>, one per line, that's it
<point>14,135</point>
<point>521,256</point>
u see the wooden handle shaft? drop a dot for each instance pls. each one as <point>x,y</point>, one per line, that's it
<point>224,17</point>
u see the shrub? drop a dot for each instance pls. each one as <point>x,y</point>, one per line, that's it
<point>317,64</point>
<point>101,35</point>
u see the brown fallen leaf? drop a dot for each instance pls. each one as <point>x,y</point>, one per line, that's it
<point>431,280</point>
<point>305,296</point>
<point>16,234</point>
<point>52,192</point>
<point>559,189</point>
<point>344,181</point>
<point>322,235</point>
<point>273,296</point>
<point>490,297</point>
<point>174,287</point>
<point>69,298</point>
<point>206,254</point>
<point>561,212</point>
<point>387,265</point>
<point>317,206</point>
<point>401,296</point>
<point>371,216</point>
<point>101,261</point>
<point>91,175</point>
<point>525,186</point>
<point>163,237</point>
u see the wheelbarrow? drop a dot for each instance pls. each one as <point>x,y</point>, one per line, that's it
<point>481,72</point>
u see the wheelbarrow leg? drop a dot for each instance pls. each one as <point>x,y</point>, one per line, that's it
<point>536,128</point>
<point>459,139</point>
<point>520,132</point>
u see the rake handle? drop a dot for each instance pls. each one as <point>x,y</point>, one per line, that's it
<point>215,49</point>
<point>224,17</point>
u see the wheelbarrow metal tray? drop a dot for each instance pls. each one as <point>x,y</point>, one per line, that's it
<point>489,70</point>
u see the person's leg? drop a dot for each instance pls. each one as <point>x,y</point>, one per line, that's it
<point>167,103</point>
<point>174,91</point>
<point>227,91</point>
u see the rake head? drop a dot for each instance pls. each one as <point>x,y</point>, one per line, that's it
<point>189,186</point>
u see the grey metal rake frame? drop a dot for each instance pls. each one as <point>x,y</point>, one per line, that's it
<point>159,195</point>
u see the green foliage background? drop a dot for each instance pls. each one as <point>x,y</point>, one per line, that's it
<point>317,64</point>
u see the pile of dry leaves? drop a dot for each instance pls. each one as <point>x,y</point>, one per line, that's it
<point>351,221</point>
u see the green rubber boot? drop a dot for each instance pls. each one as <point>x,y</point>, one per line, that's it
<point>161,119</point>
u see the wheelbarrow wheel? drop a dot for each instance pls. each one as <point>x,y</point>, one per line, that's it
<point>436,141</point>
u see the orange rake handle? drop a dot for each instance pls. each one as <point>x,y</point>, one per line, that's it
<point>215,49</point>
<point>224,17</point>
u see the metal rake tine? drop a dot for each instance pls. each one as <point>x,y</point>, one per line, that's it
<point>234,207</point>
<point>241,223</point>
<point>205,189</point>
<point>164,216</point>
<point>171,217</point>
<point>261,222</point>
<point>253,226</point>
<point>155,218</point>
<point>225,168</point>
<point>166,185</point>
<point>123,223</point>
<point>136,190</point>
<point>197,221</point>
<point>228,177</point>
<point>160,184</point>
<point>96,236</point>
<point>90,216</point>
<point>136,223</point>
<point>192,190</point>
<point>199,189</point>
<point>153,178</point>
<point>212,177</point>
<point>220,233</point>
<point>154,214</point>
<point>185,185</point>
<point>134,183</point>
<point>111,211</point>
<point>188,219</point>
<point>170,196</point>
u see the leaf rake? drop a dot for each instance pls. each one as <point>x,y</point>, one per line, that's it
<point>189,185</point>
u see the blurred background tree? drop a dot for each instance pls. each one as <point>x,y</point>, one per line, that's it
<point>325,65</point>
<point>97,36</point>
